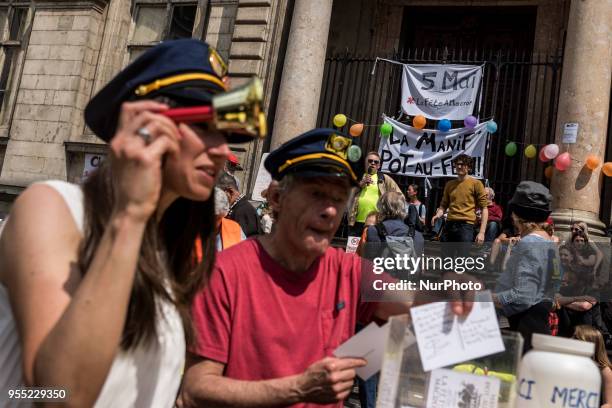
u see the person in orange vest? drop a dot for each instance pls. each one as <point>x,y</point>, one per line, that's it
<point>229,231</point>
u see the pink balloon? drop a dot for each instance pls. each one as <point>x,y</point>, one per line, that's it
<point>551,151</point>
<point>563,161</point>
<point>542,156</point>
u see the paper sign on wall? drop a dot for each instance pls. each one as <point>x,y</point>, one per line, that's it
<point>570,133</point>
<point>92,162</point>
<point>351,244</point>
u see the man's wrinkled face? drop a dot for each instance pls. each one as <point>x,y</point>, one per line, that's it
<point>310,212</point>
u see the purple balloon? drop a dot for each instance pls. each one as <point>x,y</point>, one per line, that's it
<point>470,121</point>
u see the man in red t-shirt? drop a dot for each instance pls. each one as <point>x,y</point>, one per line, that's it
<point>278,305</point>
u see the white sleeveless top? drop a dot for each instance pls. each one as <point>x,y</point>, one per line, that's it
<point>142,377</point>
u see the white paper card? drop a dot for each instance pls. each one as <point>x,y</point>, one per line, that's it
<point>368,344</point>
<point>570,133</point>
<point>444,338</point>
<point>451,389</point>
<point>351,244</point>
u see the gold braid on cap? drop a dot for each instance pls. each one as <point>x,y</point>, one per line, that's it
<point>176,79</point>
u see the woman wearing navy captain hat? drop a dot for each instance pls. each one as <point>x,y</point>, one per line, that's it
<point>98,280</point>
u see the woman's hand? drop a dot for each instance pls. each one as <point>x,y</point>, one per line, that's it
<point>136,163</point>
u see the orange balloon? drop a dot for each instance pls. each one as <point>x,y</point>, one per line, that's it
<point>419,121</point>
<point>607,169</point>
<point>356,129</point>
<point>548,172</point>
<point>592,161</point>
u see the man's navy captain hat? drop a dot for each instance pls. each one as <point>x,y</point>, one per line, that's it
<point>318,152</point>
<point>188,71</point>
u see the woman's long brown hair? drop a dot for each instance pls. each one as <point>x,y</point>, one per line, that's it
<point>175,276</point>
<point>588,333</point>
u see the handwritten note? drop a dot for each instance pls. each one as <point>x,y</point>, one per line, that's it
<point>444,338</point>
<point>368,344</point>
<point>450,389</point>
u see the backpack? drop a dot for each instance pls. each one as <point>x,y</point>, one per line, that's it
<point>412,220</point>
<point>394,245</point>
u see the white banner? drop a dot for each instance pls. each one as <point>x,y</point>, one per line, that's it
<point>429,153</point>
<point>440,91</point>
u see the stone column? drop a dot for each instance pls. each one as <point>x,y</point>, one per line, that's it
<point>584,99</point>
<point>300,89</point>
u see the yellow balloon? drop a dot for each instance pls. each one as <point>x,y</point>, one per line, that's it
<point>531,151</point>
<point>339,120</point>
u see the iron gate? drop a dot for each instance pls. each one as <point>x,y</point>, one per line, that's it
<point>520,91</point>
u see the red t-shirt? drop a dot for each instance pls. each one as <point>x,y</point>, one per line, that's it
<point>495,212</point>
<point>265,322</point>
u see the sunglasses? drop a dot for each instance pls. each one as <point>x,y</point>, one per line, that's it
<point>373,161</point>
<point>576,229</point>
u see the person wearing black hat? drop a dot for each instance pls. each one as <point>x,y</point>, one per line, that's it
<point>277,306</point>
<point>100,278</point>
<point>524,290</point>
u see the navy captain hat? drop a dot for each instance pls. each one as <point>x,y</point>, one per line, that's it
<point>187,71</point>
<point>318,152</point>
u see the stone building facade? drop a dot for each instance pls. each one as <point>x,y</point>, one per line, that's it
<point>55,54</point>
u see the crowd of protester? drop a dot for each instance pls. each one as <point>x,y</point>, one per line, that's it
<point>165,285</point>
<point>543,285</point>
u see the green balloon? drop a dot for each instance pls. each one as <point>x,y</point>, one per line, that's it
<point>354,153</point>
<point>386,129</point>
<point>511,149</point>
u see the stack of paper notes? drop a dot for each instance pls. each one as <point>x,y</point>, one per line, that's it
<point>435,359</point>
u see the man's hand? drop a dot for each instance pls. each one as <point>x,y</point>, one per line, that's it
<point>365,180</point>
<point>329,380</point>
<point>480,238</point>
<point>514,240</point>
<point>439,213</point>
<point>461,302</point>
<point>433,220</point>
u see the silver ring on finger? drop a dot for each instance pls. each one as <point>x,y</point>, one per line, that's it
<point>145,134</point>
